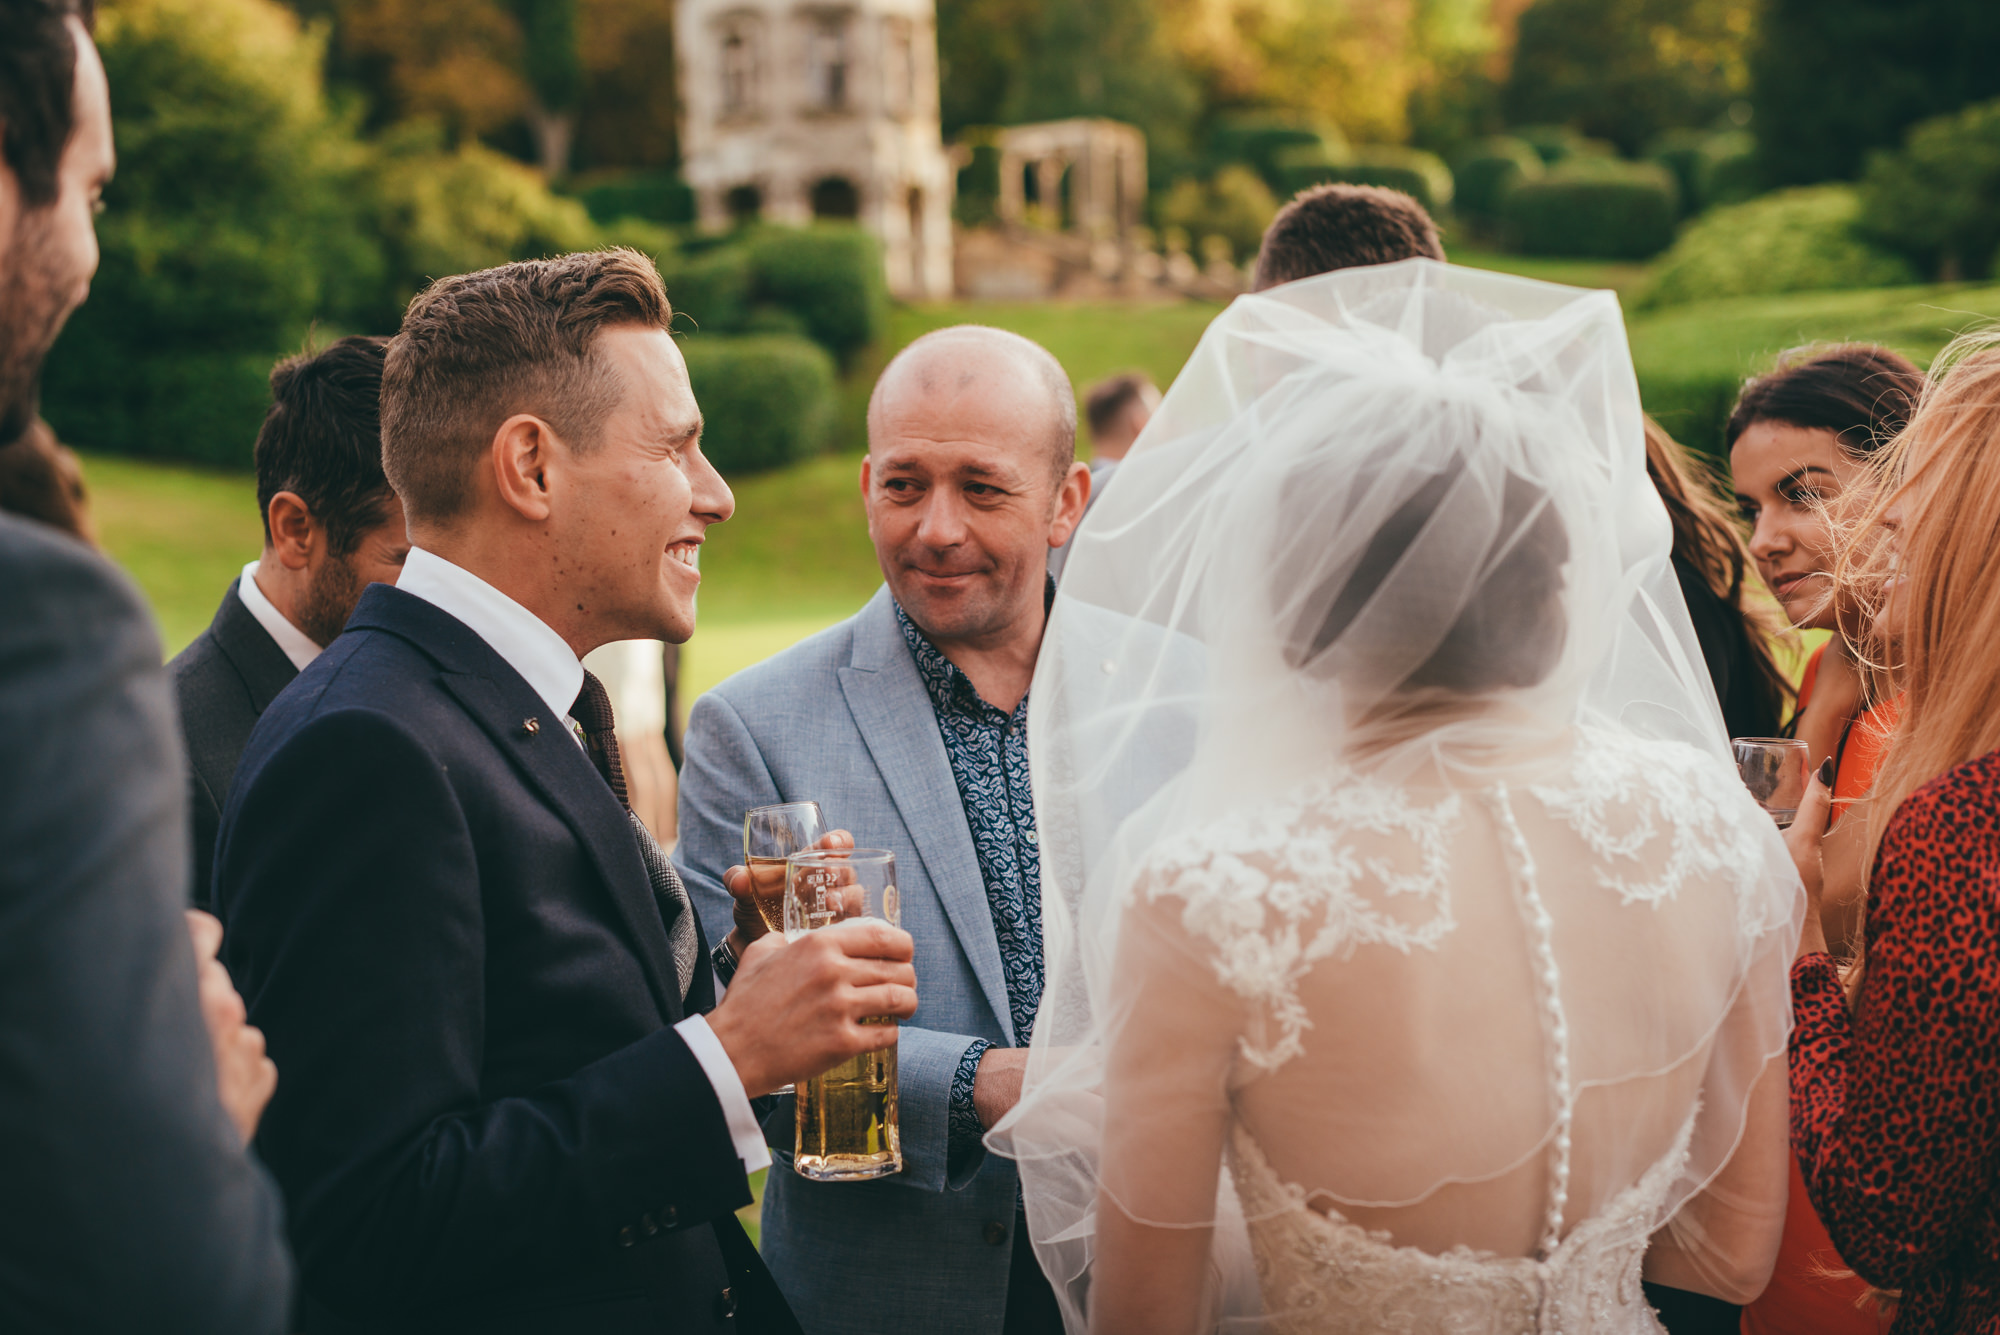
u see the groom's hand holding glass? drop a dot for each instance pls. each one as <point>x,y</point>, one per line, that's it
<point>796,1009</point>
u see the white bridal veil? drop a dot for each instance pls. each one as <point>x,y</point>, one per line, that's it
<point>1375,625</point>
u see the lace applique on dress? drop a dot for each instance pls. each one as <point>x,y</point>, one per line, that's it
<point>1630,794</point>
<point>1279,889</point>
<point>1321,1274</point>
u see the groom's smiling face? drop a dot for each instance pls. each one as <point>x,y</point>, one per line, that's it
<point>962,486</point>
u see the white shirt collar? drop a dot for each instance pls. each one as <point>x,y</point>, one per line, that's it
<point>297,645</point>
<point>524,640</point>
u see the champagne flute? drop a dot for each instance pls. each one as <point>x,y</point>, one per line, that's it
<point>1774,770</point>
<point>770,836</point>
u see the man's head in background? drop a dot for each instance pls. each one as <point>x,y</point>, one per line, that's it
<point>55,160</point>
<point>1332,227</point>
<point>332,526</point>
<point>1118,408</point>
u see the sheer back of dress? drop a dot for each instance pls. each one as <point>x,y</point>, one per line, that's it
<point>1468,1015</point>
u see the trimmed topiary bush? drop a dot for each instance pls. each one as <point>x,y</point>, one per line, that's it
<point>1800,240</point>
<point>767,401</point>
<point>1486,170</point>
<point>656,196</point>
<point>830,275</point>
<point>1938,200</point>
<point>1594,210</point>
<point>710,289</point>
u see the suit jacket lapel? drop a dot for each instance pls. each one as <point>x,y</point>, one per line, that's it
<point>500,701</point>
<point>251,651</point>
<point>559,770</point>
<point>893,713</point>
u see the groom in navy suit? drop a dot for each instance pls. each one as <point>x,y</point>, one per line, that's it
<point>510,1101</point>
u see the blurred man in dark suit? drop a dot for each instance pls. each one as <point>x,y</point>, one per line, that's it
<point>512,1102</point>
<point>127,1202</point>
<point>332,527</point>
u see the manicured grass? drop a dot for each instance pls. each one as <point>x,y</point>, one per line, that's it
<point>182,533</point>
<point>1742,335</point>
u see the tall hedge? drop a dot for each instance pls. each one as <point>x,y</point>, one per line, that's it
<point>767,401</point>
<point>1622,211</point>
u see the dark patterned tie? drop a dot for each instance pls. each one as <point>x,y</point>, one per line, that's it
<point>592,713</point>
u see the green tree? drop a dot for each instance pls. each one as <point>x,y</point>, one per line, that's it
<point>552,61</point>
<point>1625,70</point>
<point>1834,79</point>
<point>1102,58</point>
<point>1938,200</point>
<point>233,221</point>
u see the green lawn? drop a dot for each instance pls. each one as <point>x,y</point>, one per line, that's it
<point>796,557</point>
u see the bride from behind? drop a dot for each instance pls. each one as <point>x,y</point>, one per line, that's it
<point>1416,959</point>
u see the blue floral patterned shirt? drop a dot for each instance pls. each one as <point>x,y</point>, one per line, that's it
<point>988,749</point>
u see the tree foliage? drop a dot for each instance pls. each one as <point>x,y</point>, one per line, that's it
<point>1625,70</point>
<point>1834,79</point>
<point>1938,200</point>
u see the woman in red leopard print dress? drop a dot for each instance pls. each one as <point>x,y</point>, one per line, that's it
<point>1896,1098</point>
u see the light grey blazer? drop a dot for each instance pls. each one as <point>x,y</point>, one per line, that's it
<point>843,719</point>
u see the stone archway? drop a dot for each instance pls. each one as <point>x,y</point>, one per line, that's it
<point>835,197</point>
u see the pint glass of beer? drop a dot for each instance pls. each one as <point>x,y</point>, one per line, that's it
<point>847,1128</point>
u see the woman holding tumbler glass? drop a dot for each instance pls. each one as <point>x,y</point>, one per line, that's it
<point>1896,1087</point>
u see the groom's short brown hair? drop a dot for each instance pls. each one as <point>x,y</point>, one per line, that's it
<point>1342,226</point>
<point>481,347</point>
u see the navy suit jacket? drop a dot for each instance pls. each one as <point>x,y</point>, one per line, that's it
<point>438,915</point>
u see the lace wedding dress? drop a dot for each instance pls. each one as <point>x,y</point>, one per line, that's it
<point>1317,878</point>
<point>1416,960</point>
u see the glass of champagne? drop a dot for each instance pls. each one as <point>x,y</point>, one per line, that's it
<point>847,1125</point>
<point>1774,770</point>
<point>770,835</point>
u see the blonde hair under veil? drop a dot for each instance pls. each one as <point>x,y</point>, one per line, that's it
<point>1386,566</point>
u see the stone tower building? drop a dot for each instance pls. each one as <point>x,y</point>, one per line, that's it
<point>800,109</point>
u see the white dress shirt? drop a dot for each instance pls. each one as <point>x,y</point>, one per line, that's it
<point>546,662</point>
<point>296,644</point>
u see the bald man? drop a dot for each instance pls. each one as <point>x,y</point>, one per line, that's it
<point>907,723</point>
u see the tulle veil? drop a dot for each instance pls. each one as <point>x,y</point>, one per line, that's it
<point>1326,543</point>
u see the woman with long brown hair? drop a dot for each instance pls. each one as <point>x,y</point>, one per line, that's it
<point>1801,439</point>
<point>1896,1103</point>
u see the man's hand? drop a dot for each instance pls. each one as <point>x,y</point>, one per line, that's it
<point>244,1076</point>
<point>997,1086</point>
<point>747,885</point>
<point>796,1009</point>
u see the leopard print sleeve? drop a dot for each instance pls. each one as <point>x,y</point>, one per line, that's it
<point>1896,1111</point>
